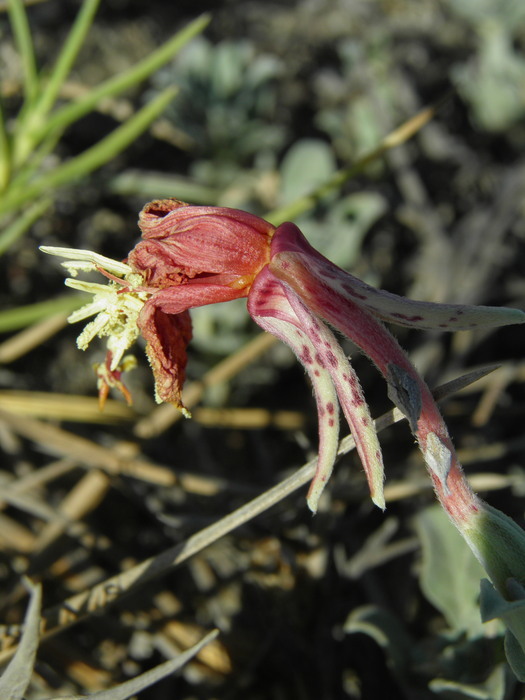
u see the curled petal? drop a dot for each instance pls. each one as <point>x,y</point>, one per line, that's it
<point>109,377</point>
<point>167,338</point>
<point>159,264</point>
<point>289,242</point>
<point>270,308</point>
<point>353,403</point>
<point>406,388</point>
<point>210,240</point>
<point>347,316</point>
<point>280,311</point>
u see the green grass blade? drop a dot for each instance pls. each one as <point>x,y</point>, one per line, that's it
<point>5,154</point>
<point>67,56</point>
<point>93,158</point>
<point>24,43</point>
<point>30,127</point>
<point>112,145</point>
<point>127,79</point>
<point>27,171</point>
<point>21,223</point>
<point>15,319</point>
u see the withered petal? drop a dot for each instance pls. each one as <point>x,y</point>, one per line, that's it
<point>167,337</point>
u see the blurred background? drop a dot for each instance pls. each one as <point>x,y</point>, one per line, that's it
<point>272,99</point>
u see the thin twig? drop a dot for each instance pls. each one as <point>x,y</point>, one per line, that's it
<point>391,140</point>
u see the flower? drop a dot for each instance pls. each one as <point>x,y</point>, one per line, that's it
<point>191,256</point>
<point>216,255</point>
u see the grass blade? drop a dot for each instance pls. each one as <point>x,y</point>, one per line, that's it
<point>20,224</point>
<point>5,153</point>
<point>94,599</point>
<point>147,679</point>
<point>67,57</point>
<point>127,79</point>
<point>34,118</point>
<point>24,42</point>
<point>93,157</point>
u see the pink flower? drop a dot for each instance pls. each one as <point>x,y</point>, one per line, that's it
<point>191,256</point>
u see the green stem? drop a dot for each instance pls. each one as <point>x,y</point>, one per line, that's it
<point>151,185</point>
<point>22,316</point>
<point>32,165</point>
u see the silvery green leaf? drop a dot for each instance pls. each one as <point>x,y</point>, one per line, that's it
<point>493,688</point>
<point>308,163</point>
<point>17,675</point>
<point>493,605</point>
<point>449,572</point>
<point>386,630</point>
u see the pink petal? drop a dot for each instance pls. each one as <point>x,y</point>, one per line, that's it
<point>353,403</point>
<point>289,241</point>
<point>321,356</point>
<point>270,308</point>
<point>406,388</point>
<point>175,300</point>
<point>160,264</point>
<point>207,239</point>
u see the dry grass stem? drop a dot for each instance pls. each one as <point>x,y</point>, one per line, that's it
<point>32,337</point>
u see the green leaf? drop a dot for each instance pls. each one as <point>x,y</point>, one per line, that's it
<point>449,573</point>
<point>307,202</point>
<point>308,164</point>
<point>515,656</point>
<point>493,688</point>
<point>358,211</point>
<point>386,630</point>
<point>509,14</point>
<point>339,236</point>
<point>493,605</point>
<point>492,81</point>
